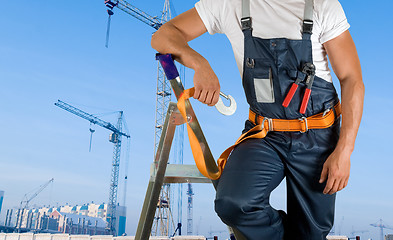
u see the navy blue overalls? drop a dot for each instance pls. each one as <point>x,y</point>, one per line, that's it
<point>257,166</point>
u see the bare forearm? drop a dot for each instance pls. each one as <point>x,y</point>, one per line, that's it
<point>173,38</point>
<point>170,40</point>
<point>345,62</point>
<point>352,96</point>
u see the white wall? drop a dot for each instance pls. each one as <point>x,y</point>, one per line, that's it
<point>337,238</point>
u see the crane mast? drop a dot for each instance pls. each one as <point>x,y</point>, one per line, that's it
<point>115,138</point>
<point>161,224</point>
<point>190,193</point>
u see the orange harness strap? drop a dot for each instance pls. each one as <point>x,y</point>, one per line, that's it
<point>263,126</point>
<point>194,143</point>
<point>317,121</point>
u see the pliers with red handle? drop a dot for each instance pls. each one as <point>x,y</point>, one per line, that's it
<point>309,71</point>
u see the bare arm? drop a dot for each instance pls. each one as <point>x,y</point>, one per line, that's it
<point>173,38</point>
<point>345,62</point>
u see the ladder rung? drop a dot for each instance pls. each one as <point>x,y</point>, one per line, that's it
<point>181,173</point>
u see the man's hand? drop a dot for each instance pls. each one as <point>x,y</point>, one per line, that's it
<point>206,84</point>
<point>336,170</point>
<point>173,37</point>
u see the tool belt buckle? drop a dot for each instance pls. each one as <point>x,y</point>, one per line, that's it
<point>270,124</point>
<point>304,119</point>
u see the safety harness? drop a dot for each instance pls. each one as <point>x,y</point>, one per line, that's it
<point>263,125</point>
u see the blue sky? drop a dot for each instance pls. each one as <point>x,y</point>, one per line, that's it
<point>53,50</point>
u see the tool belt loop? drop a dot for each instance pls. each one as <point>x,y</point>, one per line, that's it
<point>270,124</point>
<point>256,118</point>
<point>303,120</point>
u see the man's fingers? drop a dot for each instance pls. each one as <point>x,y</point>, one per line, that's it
<point>209,98</point>
<point>215,98</point>
<point>346,182</point>
<point>335,187</point>
<point>202,97</point>
<point>323,175</point>
<point>197,93</point>
<point>339,184</point>
<point>329,185</point>
<point>342,185</point>
<point>343,182</point>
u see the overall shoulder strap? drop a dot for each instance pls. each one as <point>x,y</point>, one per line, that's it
<point>246,18</point>
<point>308,19</point>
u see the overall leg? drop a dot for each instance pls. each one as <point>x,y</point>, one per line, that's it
<point>310,212</point>
<point>252,172</point>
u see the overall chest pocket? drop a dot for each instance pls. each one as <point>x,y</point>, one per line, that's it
<point>263,82</point>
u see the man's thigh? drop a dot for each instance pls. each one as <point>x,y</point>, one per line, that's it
<point>251,173</point>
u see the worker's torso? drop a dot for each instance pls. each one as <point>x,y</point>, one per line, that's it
<point>271,66</point>
<point>276,19</point>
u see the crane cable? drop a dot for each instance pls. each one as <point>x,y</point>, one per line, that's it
<point>110,5</point>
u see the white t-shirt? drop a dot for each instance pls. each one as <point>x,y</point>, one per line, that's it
<point>276,19</point>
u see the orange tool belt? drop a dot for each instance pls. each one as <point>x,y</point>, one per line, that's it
<point>262,127</point>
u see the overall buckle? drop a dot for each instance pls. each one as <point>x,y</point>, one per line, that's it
<point>246,23</point>
<point>307,26</point>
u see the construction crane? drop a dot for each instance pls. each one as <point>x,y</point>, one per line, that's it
<point>115,137</point>
<point>381,226</point>
<point>26,200</point>
<point>154,22</point>
<point>163,98</point>
<point>24,204</point>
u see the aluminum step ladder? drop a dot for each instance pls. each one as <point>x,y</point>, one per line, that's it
<point>161,171</point>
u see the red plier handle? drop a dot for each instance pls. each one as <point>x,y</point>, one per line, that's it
<point>306,98</point>
<point>290,94</point>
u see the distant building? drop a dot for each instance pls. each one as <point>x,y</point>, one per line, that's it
<point>79,224</point>
<point>1,199</point>
<point>389,237</point>
<point>86,219</point>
